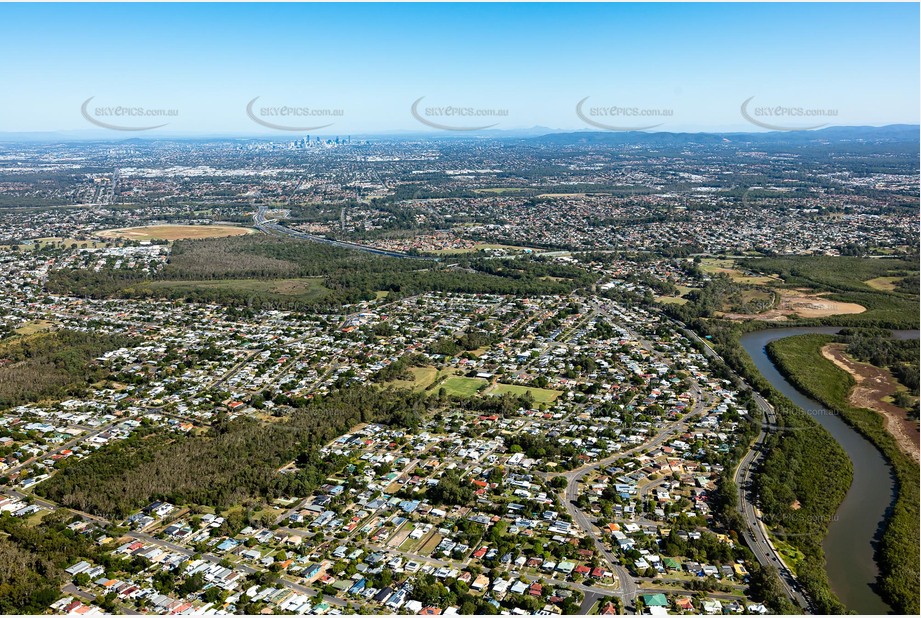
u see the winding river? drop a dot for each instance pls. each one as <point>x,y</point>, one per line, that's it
<point>858,524</point>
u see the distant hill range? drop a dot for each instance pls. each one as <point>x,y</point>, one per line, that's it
<point>890,134</point>
<point>901,133</point>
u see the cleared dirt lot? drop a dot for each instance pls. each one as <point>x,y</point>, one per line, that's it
<point>814,306</point>
<point>797,303</point>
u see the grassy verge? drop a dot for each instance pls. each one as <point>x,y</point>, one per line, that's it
<point>790,554</point>
<point>800,360</point>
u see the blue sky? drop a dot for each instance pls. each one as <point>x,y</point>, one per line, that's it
<point>536,61</point>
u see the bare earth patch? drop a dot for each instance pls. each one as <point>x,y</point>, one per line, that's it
<point>799,303</point>
<point>872,386</point>
<point>814,306</point>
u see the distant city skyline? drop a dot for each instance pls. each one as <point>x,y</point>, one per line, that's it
<point>363,69</point>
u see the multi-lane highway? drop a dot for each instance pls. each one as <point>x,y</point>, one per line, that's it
<point>755,534</point>
<point>271,226</point>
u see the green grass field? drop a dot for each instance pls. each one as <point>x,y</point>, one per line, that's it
<point>461,386</point>
<point>671,300</point>
<point>791,555</point>
<point>540,395</point>
<point>734,270</point>
<point>676,300</point>
<point>36,326</point>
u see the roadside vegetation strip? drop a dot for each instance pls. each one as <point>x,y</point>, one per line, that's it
<point>501,190</point>
<point>800,360</point>
<point>482,246</point>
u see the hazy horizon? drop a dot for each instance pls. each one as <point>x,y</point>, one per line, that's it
<point>266,69</point>
<point>525,132</point>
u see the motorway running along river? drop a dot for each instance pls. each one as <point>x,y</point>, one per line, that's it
<point>858,524</point>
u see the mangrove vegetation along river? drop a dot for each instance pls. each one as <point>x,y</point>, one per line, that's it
<point>858,524</point>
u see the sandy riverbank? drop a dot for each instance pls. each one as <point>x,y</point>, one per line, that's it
<point>872,386</point>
